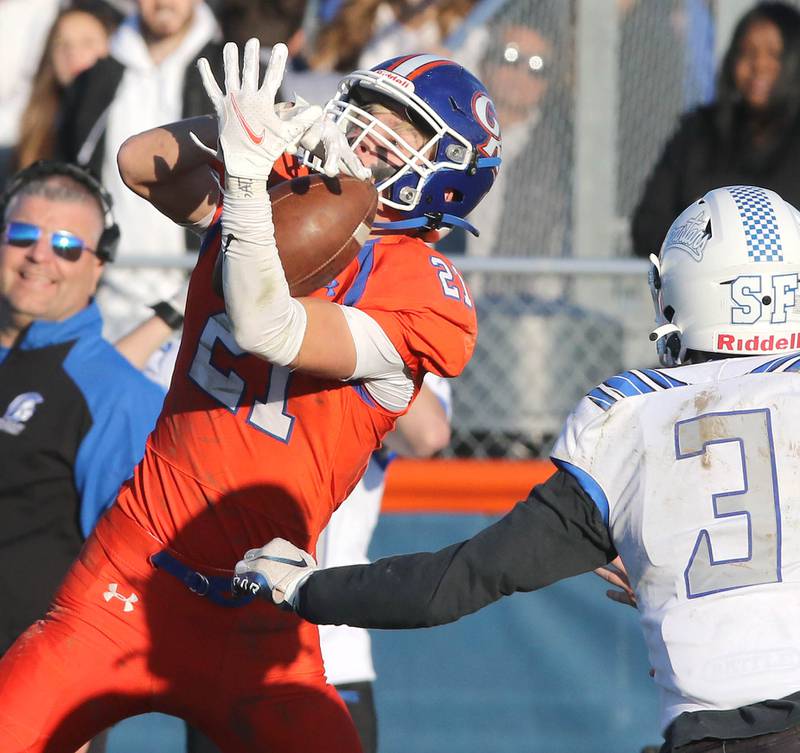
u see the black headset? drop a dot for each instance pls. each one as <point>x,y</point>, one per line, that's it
<point>109,239</point>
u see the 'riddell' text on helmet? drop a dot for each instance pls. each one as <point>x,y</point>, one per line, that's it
<point>439,183</point>
<point>726,280</point>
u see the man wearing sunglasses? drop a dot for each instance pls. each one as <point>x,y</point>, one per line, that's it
<point>74,414</point>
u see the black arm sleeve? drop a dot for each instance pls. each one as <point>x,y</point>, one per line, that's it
<point>556,533</point>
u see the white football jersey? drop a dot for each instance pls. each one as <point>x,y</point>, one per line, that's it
<point>696,470</point>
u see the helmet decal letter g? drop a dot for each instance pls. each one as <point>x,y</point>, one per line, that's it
<point>483,109</point>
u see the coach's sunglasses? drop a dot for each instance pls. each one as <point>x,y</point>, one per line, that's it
<point>65,244</point>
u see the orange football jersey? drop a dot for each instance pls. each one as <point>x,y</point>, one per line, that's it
<point>245,451</point>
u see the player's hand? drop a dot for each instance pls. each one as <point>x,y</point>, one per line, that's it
<point>615,574</point>
<point>277,569</point>
<point>326,141</point>
<point>252,135</point>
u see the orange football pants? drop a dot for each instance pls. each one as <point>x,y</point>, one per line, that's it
<point>123,638</point>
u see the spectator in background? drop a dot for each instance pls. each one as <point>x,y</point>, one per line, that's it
<point>76,414</point>
<point>365,32</point>
<point>23,30</point>
<point>77,39</point>
<point>149,78</point>
<point>750,134</point>
<point>271,21</point>
<point>530,212</point>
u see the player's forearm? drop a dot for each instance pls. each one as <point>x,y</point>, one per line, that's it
<point>144,340</point>
<point>554,534</point>
<point>266,320</point>
<point>164,166</point>
<point>307,334</point>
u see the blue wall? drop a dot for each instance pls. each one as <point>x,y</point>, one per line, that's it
<point>558,671</point>
<point>562,669</point>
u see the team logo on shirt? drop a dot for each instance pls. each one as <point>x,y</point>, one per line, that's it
<point>112,593</point>
<point>20,410</point>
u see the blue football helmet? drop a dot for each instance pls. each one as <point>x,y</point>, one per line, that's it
<point>441,182</point>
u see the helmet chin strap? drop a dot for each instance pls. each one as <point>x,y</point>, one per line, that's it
<point>429,221</point>
<point>663,331</point>
<point>668,344</point>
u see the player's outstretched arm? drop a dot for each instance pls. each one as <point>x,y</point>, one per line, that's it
<point>556,533</point>
<point>308,334</point>
<point>252,135</point>
<point>166,167</point>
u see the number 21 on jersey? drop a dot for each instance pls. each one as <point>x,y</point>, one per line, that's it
<point>453,285</point>
<point>758,501</point>
<point>268,414</point>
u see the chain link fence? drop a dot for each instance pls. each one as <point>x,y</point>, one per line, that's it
<point>549,331</point>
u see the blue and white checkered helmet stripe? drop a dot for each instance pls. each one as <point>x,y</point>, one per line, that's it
<point>759,223</point>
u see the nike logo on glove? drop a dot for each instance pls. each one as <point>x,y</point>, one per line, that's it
<point>249,131</point>
<point>286,561</point>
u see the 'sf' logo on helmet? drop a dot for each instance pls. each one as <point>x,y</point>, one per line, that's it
<point>486,116</point>
<point>758,299</point>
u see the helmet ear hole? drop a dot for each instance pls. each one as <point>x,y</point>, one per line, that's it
<point>673,346</point>
<point>669,313</point>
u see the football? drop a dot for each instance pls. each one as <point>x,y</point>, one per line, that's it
<point>320,225</point>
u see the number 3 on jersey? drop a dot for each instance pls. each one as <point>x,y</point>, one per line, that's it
<point>758,501</point>
<point>227,387</point>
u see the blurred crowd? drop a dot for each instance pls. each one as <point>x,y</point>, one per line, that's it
<point>81,76</point>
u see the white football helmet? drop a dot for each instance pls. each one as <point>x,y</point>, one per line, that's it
<point>726,280</point>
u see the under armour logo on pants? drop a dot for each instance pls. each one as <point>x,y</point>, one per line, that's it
<point>112,594</point>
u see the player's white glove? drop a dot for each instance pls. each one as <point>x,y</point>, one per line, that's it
<point>278,567</point>
<point>252,135</point>
<point>325,140</point>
